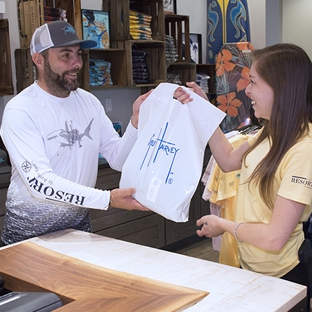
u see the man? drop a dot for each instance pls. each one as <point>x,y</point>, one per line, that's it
<point>54,132</point>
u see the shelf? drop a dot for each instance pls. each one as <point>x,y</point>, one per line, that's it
<point>181,64</point>
<point>6,84</point>
<point>186,71</point>
<point>31,16</point>
<point>116,57</point>
<point>120,19</point>
<point>155,60</point>
<point>175,26</point>
<point>208,69</point>
<point>121,53</point>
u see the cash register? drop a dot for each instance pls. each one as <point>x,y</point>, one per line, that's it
<point>27,301</point>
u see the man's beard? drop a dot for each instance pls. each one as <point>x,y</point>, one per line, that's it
<point>58,84</point>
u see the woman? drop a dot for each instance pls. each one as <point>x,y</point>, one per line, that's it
<point>275,192</point>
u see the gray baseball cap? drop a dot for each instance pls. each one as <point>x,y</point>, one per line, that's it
<point>57,34</point>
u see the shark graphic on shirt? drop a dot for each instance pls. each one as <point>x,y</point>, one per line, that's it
<point>69,136</point>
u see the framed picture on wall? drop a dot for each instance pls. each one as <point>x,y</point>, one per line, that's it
<point>170,6</point>
<point>195,47</point>
<point>95,26</point>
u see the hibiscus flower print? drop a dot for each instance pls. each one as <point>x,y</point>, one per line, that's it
<point>223,62</point>
<point>242,83</point>
<point>229,104</point>
<point>245,46</point>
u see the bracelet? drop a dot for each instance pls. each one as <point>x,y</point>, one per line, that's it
<point>109,204</point>
<point>235,230</point>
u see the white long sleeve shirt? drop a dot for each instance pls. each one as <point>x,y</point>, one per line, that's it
<point>54,144</point>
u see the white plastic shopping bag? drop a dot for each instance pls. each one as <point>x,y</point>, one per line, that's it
<point>165,164</point>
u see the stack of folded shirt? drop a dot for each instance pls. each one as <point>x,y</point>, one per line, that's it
<point>202,81</point>
<point>140,26</point>
<point>139,66</point>
<point>100,73</point>
<point>171,51</point>
<point>54,14</point>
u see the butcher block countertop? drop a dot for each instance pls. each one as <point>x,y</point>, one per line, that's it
<point>90,272</point>
<point>86,287</point>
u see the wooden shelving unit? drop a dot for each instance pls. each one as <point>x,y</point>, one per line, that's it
<point>6,84</point>
<point>208,69</point>
<point>31,16</point>
<point>118,60</point>
<point>175,26</point>
<point>186,71</point>
<point>155,60</point>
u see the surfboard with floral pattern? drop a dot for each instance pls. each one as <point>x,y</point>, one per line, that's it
<point>227,22</point>
<point>232,77</point>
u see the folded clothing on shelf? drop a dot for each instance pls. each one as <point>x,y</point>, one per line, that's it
<point>100,73</point>
<point>140,71</point>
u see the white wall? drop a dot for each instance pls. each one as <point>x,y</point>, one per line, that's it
<point>256,10</point>
<point>297,23</point>
<point>273,22</point>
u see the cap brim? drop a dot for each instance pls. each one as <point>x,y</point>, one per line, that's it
<point>84,44</point>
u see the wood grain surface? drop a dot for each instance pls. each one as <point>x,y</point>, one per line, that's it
<point>86,287</point>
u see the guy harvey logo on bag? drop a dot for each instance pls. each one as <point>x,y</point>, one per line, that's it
<point>158,146</point>
<point>302,180</point>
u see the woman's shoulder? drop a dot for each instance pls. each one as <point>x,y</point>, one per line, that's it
<point>253,136</point>
<point>307,138</point>
<point>304,143</point>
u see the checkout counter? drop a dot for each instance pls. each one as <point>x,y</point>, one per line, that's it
<point>91,272</point>
<point>81,271</point>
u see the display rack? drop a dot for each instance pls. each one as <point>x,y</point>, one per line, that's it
<point>6,84</point>
<point>120,56</point>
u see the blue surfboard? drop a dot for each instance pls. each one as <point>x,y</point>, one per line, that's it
<point>214,29</point>
<point>237,27</point>
<point>227,22</point>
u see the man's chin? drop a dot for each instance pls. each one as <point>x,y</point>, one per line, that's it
<point>75,87</point>
<point>72,85</point>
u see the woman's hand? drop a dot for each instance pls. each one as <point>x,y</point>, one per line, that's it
<point>210,226</point>
<point>197,89</point>
<point>184,97</point>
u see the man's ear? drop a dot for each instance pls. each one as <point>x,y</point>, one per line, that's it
<point>38,60</point>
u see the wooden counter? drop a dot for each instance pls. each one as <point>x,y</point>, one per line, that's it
<point>183,277</point>
<point>85,287</point>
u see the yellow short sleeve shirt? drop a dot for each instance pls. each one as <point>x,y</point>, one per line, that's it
<point>293,180</point>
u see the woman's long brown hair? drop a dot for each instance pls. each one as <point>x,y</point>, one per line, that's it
<point>287,69</point>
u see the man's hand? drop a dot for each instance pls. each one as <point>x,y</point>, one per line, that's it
<point>136,108</point>
<point>122,198</point>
